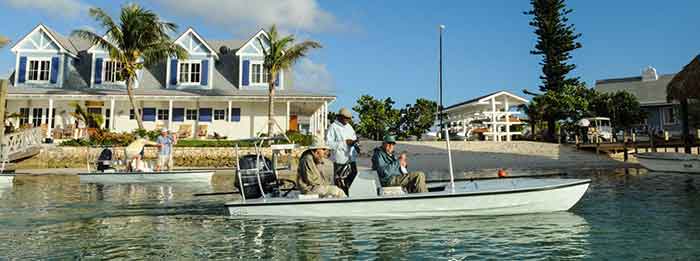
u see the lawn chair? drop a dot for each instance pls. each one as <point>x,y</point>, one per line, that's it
<point>68,131</point>
<point>184,131</point>
<point>202,131</point>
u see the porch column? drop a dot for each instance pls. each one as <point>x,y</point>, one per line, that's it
<point>112,120</point>
<point>228,113</point>
<point>508,138</point>
<point>288,115</point>
<point>50,117</point>
<point>170,115</point>
<point>493,119</point>
<point>324,119</point>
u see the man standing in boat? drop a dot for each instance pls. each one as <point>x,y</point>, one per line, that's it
<point>310,178</point>
<point>165,150</point>
<point>342,140</point>
<point>393,171</point>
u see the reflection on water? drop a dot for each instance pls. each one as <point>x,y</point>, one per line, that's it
<point>625,215</point>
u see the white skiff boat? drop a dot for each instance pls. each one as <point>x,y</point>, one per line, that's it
<point>475,198</point>
<point>670,162</point>
<point>146,177</point>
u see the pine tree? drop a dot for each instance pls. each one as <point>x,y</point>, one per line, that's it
<point>556,38</point>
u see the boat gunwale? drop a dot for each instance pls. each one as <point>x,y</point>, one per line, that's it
<point>153,173</point>
<point>429,195</point>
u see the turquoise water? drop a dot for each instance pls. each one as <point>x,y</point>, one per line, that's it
<point>633,215</point>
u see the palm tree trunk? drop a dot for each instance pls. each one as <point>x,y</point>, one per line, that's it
<point>130,92</point>
<point>270,105</point>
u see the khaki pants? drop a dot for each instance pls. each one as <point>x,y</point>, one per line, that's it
<point>165,162</point>
<point>328,191</point>
<point>413,182</point>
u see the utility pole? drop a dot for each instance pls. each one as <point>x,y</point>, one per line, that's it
<point>440,106</point>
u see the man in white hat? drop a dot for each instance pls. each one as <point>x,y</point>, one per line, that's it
<point>310,178</point>
<point>342,140</point>
<point>165,149</point>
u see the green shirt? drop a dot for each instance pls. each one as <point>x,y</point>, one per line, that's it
<point>386,165</point>
<point>308,173</point>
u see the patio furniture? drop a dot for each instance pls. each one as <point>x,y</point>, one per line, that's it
<point>68,131</point>
<point>184,131</point>
<point>202,130</point>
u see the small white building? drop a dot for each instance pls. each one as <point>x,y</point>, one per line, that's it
<point>491,114</point>
<point>220,89</point>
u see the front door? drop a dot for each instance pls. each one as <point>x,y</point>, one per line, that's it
<point>293,123</point>
<point>93,110</point>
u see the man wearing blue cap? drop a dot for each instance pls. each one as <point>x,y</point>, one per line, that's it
<point>393,171</point>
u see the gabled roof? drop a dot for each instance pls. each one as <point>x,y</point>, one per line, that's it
<point>195,34</point>
<point>485,99</point>
<point>71,45</point>
<point>647,92</point>
<point>251,41</point>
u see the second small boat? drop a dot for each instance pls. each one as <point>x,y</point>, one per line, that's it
<point>670,162</point>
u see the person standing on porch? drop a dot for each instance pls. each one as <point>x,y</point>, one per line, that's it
<point>342,140</point>
<point>165,150</point>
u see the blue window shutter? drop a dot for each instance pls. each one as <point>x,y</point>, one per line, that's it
<point>205,72</point>
<point>54,70</point>
<point>98,71</point>
<point>277,79</point>
<point>236,114</point>
<point>179,114</point>
<point>22,75</point>
<point>205,114</point>
<point>173,72</point>
<point>149,114</point>
<point>246,72</point>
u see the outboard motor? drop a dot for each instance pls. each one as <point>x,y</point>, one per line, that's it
<point>249,176</point>
<point>103,161</point>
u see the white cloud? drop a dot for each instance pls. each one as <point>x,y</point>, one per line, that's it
<point>312,76</point>
<point>247,16</point>
<point>60,8</point>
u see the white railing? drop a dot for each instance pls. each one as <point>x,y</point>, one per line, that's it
<point>20,141</point>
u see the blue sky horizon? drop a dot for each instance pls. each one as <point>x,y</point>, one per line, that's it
<point>390,48</point>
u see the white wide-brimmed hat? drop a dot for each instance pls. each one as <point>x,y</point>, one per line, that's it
<point>317,143</point>
<point>345,113</point>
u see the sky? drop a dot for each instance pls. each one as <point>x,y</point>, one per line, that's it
<point>389,48</point>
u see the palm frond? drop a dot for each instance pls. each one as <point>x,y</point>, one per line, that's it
<point>106,22</point>
<point>96,39</point>
<point>3,41</point>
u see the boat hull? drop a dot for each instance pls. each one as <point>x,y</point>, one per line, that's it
<point>670,162</point>
<point>6,180</point>
<point>468,203</point>
<point>147,177</point>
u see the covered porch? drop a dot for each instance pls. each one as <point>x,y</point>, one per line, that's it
<point>232,117</point>
<point>492,115</point>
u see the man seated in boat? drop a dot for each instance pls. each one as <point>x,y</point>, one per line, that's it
<point>134,155</point>
<point>310,178</point>
<point>393,171</point>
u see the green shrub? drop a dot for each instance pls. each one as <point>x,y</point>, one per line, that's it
<point>300,139</point>
<point>147,134</point>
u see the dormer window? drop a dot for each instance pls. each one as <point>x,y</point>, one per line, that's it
<point>113,72</point>
<point>260,74</point>
<point>190,72</point>
<point>39,70</point>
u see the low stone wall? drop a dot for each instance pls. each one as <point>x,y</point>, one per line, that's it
<point>53,156</point>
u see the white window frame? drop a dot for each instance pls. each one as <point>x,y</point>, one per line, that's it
<point>664,116</point>
<point>158,114</point>
<point>105,79</point>
<point>253,81</point>
<point>189,73</point>
<point>196,115</point>
<point>223,118</point>
<point>39,60</point>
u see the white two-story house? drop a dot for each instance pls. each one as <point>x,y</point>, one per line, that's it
<point>220,88</point>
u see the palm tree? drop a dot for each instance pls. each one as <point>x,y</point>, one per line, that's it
<point>139,39</point>
<point>3,41</point>
<point>87,118</point>
<point>281,55</point>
